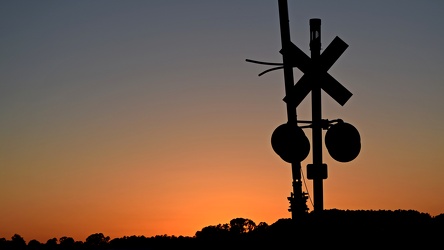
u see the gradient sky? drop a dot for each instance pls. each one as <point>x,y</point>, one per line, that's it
<point>143,118</point>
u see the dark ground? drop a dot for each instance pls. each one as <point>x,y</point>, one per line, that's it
<point>346,229</point>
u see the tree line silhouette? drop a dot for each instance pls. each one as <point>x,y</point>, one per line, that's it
<point>331,228</point>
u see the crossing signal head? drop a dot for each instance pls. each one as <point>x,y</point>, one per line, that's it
<point>343,142</point>
<point>290,143</point>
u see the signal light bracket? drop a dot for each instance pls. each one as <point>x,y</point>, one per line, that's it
<point>325,123</point>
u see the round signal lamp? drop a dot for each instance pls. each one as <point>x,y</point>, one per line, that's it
<point>343,142</point>
<point>290,143</point>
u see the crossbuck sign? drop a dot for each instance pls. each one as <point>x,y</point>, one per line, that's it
<point>304,63</point>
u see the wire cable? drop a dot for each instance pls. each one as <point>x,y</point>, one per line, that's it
<point>305,184</point>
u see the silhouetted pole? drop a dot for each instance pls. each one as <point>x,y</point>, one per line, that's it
<point>288,140</point>
<point>297,199</point>
<point>315,47</point>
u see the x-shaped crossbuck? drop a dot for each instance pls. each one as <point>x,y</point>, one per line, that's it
<point>304,63</point>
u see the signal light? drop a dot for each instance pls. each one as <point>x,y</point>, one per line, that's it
<point>290,143</point>
<point>343,142</point>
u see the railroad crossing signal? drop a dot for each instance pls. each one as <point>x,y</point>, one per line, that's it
<point>330,85</point>
<point>288,140</point>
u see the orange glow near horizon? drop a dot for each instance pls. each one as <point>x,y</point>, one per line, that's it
<point>190,201</point>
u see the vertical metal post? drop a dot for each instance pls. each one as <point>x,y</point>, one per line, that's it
<point>297,199</point>
<point>288,69</point>
<point>315,47</point>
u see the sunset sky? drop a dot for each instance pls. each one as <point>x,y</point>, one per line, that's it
<point>143,118</point>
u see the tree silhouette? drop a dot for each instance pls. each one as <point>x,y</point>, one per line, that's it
<point>240,226</point>
<point>261,228</point>
<point>97,241</point>
<point>214,233</point>
<point>439,219</point>
<point>3,243</point>
<point>332,229</point>
<point>34,245</point>
<point>18,242</point>
<point>66,242</point>
<point>51,244</point>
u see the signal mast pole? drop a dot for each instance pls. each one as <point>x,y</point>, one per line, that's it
<point>298,198</point>
<point>315,47</point>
